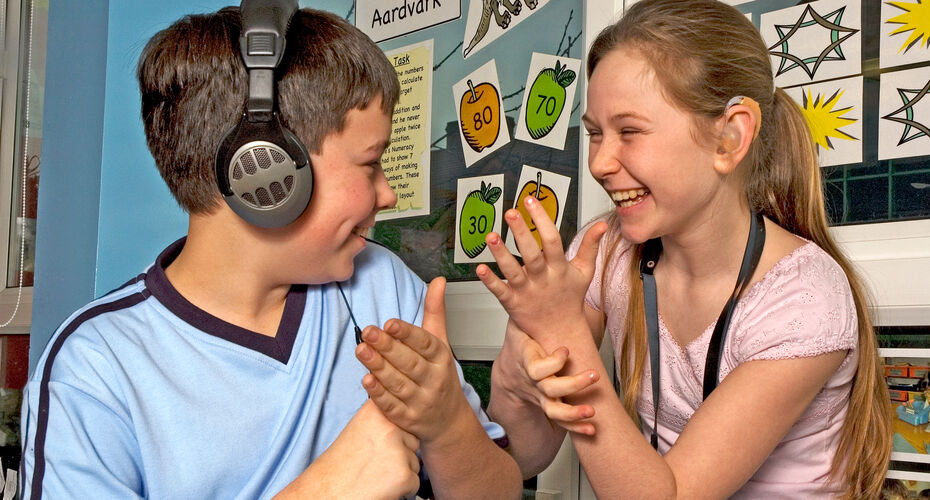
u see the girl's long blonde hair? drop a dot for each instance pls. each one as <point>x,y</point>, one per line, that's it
<point>703,53</point>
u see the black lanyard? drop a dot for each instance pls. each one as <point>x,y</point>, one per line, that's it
<point>652,250</point>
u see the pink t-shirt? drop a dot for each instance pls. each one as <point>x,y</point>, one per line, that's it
<point>801,307</point>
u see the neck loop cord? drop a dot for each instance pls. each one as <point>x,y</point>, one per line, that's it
<point>651,252</point>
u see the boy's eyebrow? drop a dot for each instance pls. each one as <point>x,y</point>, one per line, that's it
<point>379,147</point>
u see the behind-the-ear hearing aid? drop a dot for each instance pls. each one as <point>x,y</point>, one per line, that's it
<point>731,136</point>
<point>262,169</point>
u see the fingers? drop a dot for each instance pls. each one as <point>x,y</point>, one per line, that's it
<point>388,403</point>
<point>391,362</point>
<point>434,309</point>
<point>523,238</point>
<point>495,285</point>
<point>539,366</point>
<point>548,234</point>
<point>568,416</point>
<point>422,346</point>
<point>557,387</point>
<point>510,268</point>
<point>586,258</point>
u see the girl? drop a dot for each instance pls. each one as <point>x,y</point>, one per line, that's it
<point>715,179</point>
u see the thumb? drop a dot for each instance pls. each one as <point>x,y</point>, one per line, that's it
<point>586,258</point>
<point>434,309</point>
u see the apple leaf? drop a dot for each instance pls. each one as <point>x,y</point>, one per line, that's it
<point>493,194</point>
<point>566,78</point>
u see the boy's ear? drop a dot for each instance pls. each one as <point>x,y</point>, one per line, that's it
<point>738,128</point>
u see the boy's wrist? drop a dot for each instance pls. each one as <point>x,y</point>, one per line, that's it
<point>454,432</point>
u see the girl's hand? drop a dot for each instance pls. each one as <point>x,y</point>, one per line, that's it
<point>544,296</point>
<point>527,372</point>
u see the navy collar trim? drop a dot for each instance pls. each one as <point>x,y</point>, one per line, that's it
<point>279,347</point>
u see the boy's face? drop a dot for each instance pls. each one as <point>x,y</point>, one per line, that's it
<point>349,189</point>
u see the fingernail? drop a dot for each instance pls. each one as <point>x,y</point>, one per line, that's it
<point>529,200</point>
<point>371,335</point>
<point>592,375</point>
<point>493,239</point>
<point>365,353</point>
<point>512,215</point>
<point>391,327</point>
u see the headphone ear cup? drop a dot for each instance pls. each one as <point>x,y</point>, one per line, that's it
<point>267,178</point>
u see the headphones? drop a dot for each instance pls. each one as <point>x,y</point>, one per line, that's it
<point>262,169</point>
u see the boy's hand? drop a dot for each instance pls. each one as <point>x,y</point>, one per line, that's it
<point>544,296</point>
<point>413,378</point>
<point>526,371</point>
<point>370,459</point>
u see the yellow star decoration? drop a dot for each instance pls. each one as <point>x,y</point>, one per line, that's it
<point>916,18</point>
<point>824,121</point>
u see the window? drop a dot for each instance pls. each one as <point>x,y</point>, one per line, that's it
<point>23,27</point>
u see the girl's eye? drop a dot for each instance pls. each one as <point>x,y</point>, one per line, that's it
<point>628,132</point>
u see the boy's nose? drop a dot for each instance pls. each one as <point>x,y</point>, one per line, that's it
<point>386,198</point>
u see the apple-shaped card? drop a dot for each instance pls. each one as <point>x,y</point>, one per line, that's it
<point>550,189</point>
<point>479,207</point>
<point>480,110</point>
<point>548,100</point>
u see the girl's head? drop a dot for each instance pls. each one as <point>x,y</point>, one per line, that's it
<point>703,53</point>
<point>700,54</point>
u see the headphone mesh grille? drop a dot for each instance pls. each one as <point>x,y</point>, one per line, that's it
<point>249,198</point>
<point>237,171</point>
<point>277,191</point>
<point>261,154</point>
<point>248,164</point>
<point>289,183</point>
<point>276,156</point>
<point>264,199</point>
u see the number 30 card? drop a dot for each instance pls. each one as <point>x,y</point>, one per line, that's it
<point>479,208</point>
<point>548,99</point>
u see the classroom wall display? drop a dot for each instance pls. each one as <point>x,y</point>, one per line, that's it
<point>490,19</point>
<point>480,208</point>
<point>867,61</point>
<point>905,37</point>
<point>473,129</point>
<point>833,111</point>
<point>480,112</point>
<point>406,162</point>
<point>550,189</point>
<point>904,107</point>
<point>815,41</point>
<point>382,20</point>
<point>548,100</point>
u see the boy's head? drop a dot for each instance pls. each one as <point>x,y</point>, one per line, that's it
<point>194,85</point>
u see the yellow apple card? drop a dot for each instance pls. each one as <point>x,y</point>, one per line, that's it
<point>548,99</point>
<point>479,208</point>
<point>549,188</point>
<point>480,109</point>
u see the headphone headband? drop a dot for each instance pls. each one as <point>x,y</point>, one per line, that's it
<point>262,169</point>
<point>261,43</point>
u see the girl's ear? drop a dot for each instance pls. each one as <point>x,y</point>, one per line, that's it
<point>739,128</point>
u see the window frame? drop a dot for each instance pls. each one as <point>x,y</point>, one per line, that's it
<point>13,47</point>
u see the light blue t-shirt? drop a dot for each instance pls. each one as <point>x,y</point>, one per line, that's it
<point>142,394</point>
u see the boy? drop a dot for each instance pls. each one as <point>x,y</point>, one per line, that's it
<point>227,369</point>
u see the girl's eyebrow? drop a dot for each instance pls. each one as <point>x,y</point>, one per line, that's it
<point>616,118</point>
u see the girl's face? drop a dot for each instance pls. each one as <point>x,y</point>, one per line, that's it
<point>643,150</point>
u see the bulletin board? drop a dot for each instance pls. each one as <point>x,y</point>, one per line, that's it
<point>488,114</point>
<point>860,71</point>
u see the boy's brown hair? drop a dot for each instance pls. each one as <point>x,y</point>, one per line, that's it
<point>194,86</point>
